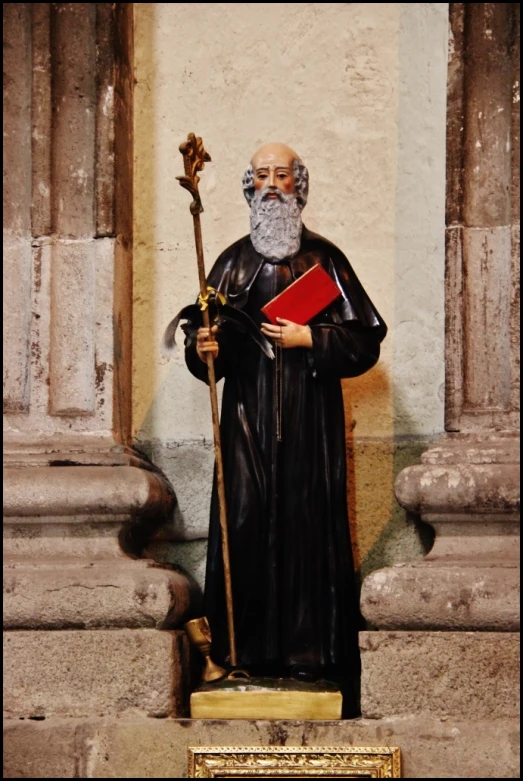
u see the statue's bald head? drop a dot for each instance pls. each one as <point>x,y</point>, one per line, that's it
<point>276,166</point>
<point>275,185</point>
<point>275,153</point>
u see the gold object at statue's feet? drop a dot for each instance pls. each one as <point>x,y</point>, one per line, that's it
<point>199,634</point>
<point>238,674</point>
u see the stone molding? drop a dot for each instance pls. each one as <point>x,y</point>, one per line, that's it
<point>68,534</point>
<point>61,593</point>
<point>444,596</point>
<point>467,489</point>
<point>460,489</point>
<point>83,490</point>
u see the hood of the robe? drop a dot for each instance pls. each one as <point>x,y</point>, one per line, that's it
<point>238,266</point>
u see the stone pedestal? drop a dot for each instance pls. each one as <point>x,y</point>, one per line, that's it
<point>90,627</point>
<point>467,488</point>
<point>448,639</point>
<point>90,614</point>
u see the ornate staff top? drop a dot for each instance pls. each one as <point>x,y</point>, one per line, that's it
<point>194,159</point>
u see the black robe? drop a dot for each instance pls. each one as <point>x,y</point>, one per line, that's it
<point>294,592</point>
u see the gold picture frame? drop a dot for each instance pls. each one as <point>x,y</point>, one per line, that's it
<point>292,762</point>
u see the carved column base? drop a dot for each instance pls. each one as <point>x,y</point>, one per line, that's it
<point>77,515</point>
<point>467,489</point>
<point>423,662</point>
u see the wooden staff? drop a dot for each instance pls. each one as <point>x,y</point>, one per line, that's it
<point>194,159</point>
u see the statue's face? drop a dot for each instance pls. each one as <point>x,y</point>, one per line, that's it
<point>272,166</point>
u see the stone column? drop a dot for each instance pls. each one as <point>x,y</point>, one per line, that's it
<point>79,503</point>
<point>450,623</point>
<point>17,206</point>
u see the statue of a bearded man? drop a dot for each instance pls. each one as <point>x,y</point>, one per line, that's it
<point>283,440</point>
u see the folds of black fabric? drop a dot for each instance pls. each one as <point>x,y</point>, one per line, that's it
<point>294,591</point>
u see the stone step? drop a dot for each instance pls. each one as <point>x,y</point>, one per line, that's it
<point>471,675</point>
<point>99,672</point>
<point>58,593</point>
<point>138,747</point>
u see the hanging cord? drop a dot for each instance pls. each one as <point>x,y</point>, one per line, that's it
<point>278,366</point>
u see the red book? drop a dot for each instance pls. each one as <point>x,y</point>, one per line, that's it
<point>304,299</point>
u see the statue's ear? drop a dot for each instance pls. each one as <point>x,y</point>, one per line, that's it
<point>248,184</point>
<point>301,177</point>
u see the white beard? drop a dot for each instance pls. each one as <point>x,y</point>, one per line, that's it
<point>276,225</point>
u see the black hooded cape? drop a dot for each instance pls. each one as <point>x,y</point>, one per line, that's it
<point>295,598</point>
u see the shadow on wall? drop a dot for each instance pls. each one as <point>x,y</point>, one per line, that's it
<point>382,533</point>
<point>368,480</point>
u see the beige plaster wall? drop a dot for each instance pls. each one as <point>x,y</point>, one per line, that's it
<point>359,90</point>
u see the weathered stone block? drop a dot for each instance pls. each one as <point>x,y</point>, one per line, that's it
<point>473,675</point>
<point>72,490</point>
<point>434,596</point>
<point>137,747</point>
<point>72,359</point>
<point>94,672</point>
<point>40,749</point>
<point>71,594</point>
<point>459,488</point>
<point>16,276</point>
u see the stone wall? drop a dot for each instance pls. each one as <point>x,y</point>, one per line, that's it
<point>359,91</point>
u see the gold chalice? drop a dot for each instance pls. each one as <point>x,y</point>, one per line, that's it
<point>199,634</point>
